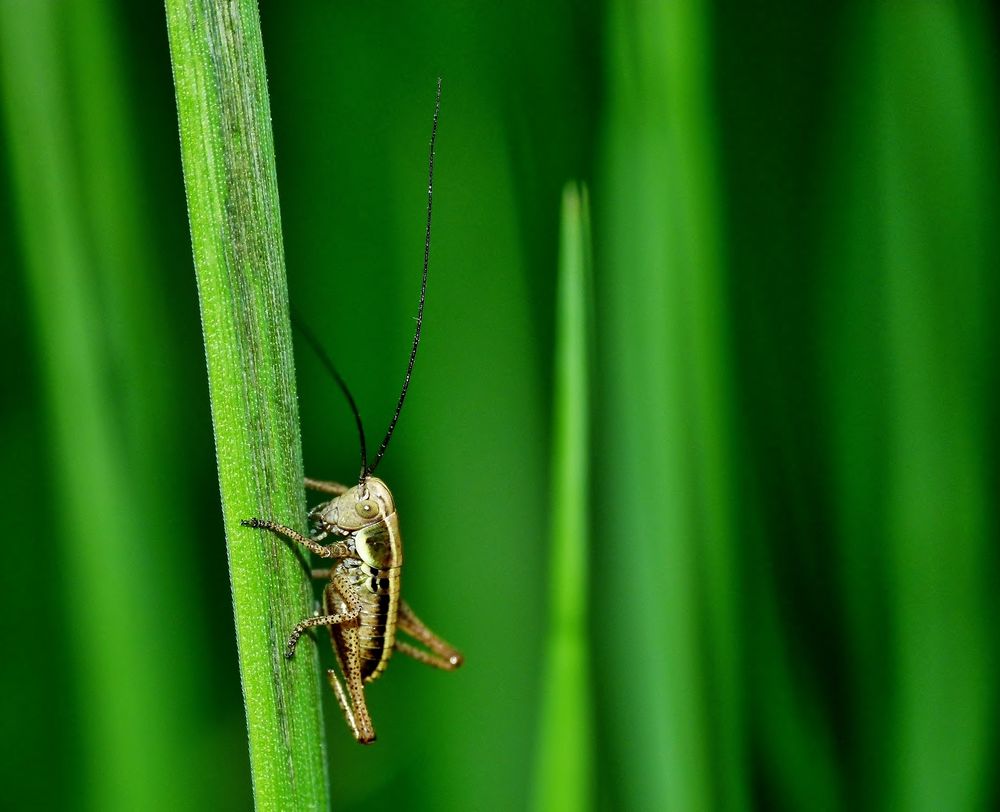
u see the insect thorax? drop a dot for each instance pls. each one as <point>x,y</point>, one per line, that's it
<point>380,545</point>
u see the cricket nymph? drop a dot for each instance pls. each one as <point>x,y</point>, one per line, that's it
<point>362,607</point>
<point>366,515</point>
<point>361,603</point>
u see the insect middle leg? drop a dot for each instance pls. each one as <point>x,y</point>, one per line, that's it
<point>339,587</point>
<point>441,654</point>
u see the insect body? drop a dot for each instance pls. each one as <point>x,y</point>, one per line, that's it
<point>367,514</point>
<point>361,603</point>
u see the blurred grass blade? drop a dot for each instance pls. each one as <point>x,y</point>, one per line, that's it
<point>673,660</point>
<point>797,743</point>
<point>80,230</point>
<point>229,173</point>
<point>565,769</point>
<point>912,347</point>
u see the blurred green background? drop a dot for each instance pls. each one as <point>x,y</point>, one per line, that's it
<point>793,569</point>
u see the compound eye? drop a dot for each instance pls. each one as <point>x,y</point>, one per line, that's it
<point>367,508</point>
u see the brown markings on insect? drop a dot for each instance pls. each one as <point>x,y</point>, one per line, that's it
<point>361,604</point>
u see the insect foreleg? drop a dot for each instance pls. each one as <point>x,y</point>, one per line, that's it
<point>336,550</point>
<point>333,488</point>
<point>444,656</point>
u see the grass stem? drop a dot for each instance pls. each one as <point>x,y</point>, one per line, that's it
<point>564,771</point>
<point>229,171</point>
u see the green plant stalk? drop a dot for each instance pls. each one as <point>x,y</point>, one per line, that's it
<point>676,621</point>
<point>914,317</point>
<point>796,740</point>
<point>228,155</point>
<point>116,215</point>
<point>910,339</point>
<point>940,279</point>
<point>565,767</point>
<point>132,715</point>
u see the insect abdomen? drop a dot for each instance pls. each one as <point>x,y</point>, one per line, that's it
<point>378,591</point>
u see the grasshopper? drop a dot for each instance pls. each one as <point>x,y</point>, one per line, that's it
<point>361,606</point>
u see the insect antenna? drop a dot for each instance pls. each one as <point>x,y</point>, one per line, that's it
<point>423,288</point>
<point>300,325</point>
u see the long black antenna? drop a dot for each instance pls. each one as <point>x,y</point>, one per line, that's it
<point>423,288</point>
<point>300,325</point>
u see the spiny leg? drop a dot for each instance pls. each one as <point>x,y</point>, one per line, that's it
<point>348,653</point>
<point>355,708</point>
<point>342,701</point>
<point>426,657</point>
<point>332,488</point>
<point>321,574</point>
<point>444,656</point>
<point>336,550</point>
<point>350,612</point>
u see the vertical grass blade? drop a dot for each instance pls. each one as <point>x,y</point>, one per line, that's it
<point>795,734</point>
<point>228,156</point>
<point>112,531</point>
<point>565,768</point>
<point>673,654</point>
<point>939,250</point>
<point>674,657</point>
<point>913,347</point>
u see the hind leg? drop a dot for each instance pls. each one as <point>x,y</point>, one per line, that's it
<point>347,650</point>
<point>441,654</point>
<point>352,701</point>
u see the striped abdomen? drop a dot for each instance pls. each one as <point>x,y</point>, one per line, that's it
<point>377,593</point>
<point>374,578</point>
<point>379,596</point>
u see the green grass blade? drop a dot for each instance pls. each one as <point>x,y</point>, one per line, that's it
<point>797,743</point>
<point>912,347</point>
<point>229,171</point>
<point>133,680</point>
<point>675,616</point>
<point>141,350</point>
<point>931,117</point>
<point>565,767</point>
